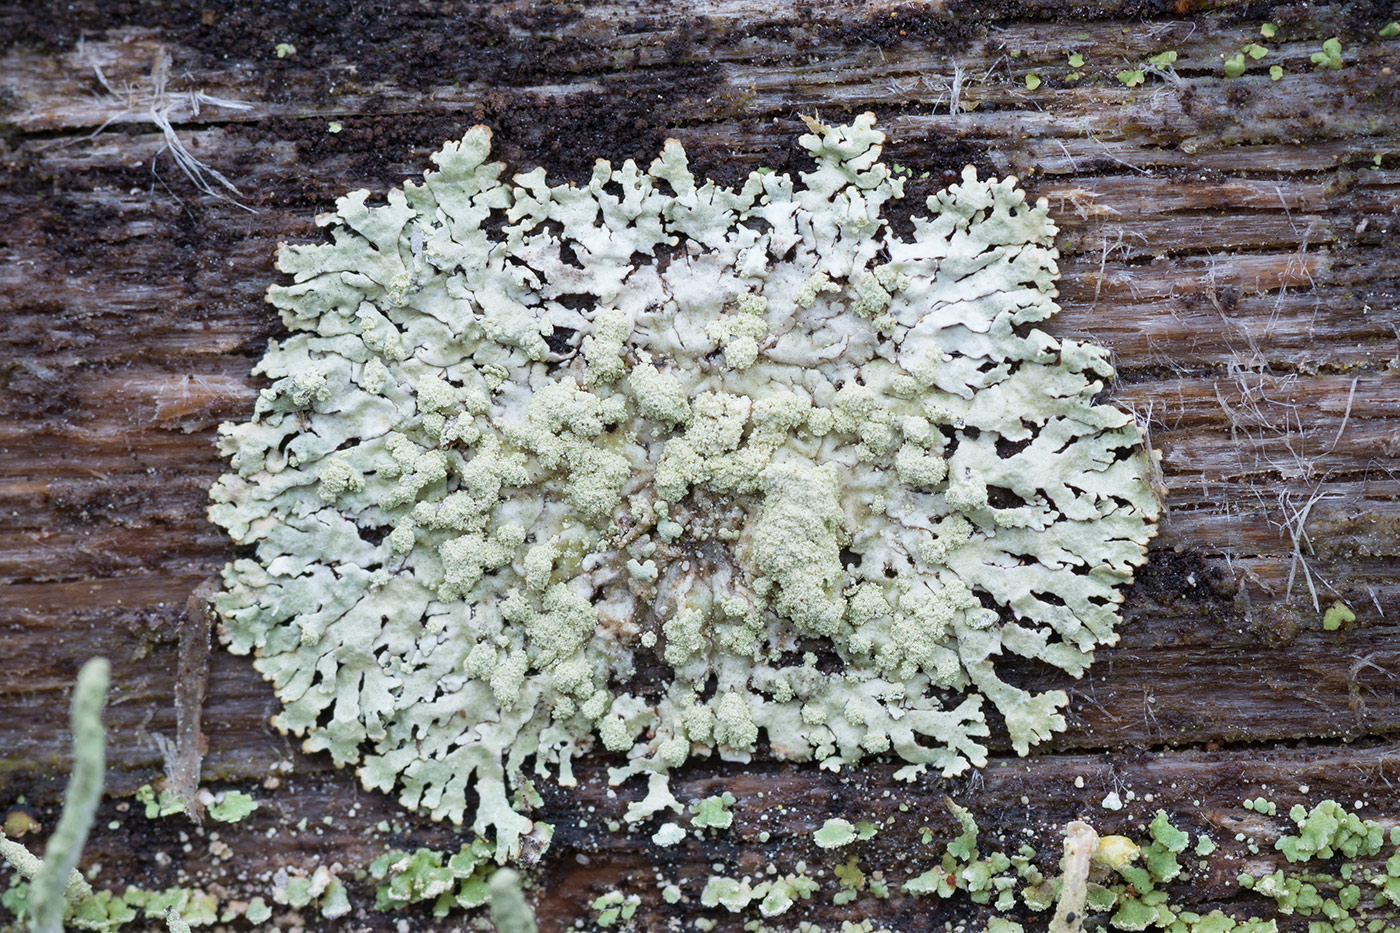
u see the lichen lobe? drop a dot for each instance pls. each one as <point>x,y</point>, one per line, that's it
<point>523,434</point>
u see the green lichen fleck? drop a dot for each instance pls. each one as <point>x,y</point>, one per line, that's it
<point>157,805</point>
<point>713,812</point>
<point>1337,615</point>
<point>614,907</point>
<point>231,807</point>
<point>1331,55</point>
<point>835,833</point>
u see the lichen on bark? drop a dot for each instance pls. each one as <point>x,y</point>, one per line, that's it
<point>527,442</point>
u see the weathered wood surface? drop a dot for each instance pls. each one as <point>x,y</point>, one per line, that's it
<point>1233,241</point>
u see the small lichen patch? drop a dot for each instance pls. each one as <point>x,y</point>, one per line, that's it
<point>668,834</point>
<point>231,806</point>
<point>713,812</point>
<point>320,890</point>
<point>774,896</point>
<point>1337,615</point>
<point>615,907</point>
<point>838,832</point>
<point>523,436</point>
<point>1104,882</point>
<point>158,804</point>
<point>450,882</point>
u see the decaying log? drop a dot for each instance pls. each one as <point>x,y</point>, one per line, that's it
<point>1232,240</point>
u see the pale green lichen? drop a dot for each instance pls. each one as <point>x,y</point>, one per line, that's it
<point>450,882</point>
<point>1331,55</point>
<point>852,881</point>
<point>257,912</point>
<point>774,896</point>
<point>158,804</point>
<point>1327,830</point>
<point>713,812</point>
<point>668,834</point>
<point>1350,889</point>
<point>1261,805</point>
<point>522,436</point>
<point>231,806</point>
<point>837,832</point>
<point>615,907</point>
<point>989,879</point>
<point>320,889</point>
<point>1337,615</point>
<point>176,908</point>
<point>1108,882</point>
<point>224,807</point>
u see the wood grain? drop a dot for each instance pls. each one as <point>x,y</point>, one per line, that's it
<point>1233,242</point>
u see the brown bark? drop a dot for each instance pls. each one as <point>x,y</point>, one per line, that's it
<point>1233,241</point>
